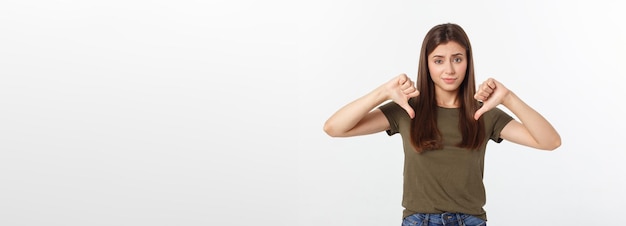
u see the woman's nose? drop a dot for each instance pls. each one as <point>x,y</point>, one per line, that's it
<point>450,69</point>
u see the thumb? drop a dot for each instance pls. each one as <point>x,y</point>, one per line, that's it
<point>408,109</point>
<point>479,113</point>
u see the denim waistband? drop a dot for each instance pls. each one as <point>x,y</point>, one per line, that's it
<point>442,218</point>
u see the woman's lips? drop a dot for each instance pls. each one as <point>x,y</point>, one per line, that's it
<point>449,80</point>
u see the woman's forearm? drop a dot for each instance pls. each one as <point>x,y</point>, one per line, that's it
<point>537,126</point>
<point>351,114</point>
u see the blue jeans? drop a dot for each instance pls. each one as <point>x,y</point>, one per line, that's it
<point>444,219</point>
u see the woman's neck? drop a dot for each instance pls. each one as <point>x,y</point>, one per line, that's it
<point>447,99</point>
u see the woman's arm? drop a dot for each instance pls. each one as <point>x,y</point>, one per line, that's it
<point>358,118</point>
<point>533,130</point>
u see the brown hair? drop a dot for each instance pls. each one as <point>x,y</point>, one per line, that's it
<point>424,132</point>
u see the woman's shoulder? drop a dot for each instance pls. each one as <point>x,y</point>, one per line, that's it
<point>496,116</point>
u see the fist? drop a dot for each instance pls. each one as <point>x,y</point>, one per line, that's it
<point>400,89</point>
<point>491,93</point>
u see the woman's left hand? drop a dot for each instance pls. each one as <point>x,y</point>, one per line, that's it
<point>491,93</point>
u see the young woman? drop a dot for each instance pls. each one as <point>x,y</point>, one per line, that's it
<point>445,124</point>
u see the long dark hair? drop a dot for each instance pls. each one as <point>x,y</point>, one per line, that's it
<point>424,132</point>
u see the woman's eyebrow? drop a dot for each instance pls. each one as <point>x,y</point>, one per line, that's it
<point>456,54</point>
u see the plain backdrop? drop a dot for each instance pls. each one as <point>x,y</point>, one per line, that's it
<point>211,112</point>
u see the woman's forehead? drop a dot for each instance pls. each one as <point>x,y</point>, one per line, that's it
<point>448,49</point>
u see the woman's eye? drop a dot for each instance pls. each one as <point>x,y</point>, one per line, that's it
<point>457,60</point>
<point>438,61</point>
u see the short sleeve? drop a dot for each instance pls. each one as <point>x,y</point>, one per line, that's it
<point>496,120</point>
<point>393,112</point>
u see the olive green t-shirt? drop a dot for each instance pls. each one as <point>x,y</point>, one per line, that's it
<point>446,180</point>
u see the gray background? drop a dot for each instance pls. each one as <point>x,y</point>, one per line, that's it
<point>211,112</point>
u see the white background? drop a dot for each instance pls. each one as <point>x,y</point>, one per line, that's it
<point>211,112</point>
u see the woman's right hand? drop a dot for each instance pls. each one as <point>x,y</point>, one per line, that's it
<point>360,117</point>
<point>400,89</point>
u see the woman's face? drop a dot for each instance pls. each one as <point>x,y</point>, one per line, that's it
<point>447,65</point>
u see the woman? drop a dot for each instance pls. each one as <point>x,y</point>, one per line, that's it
<point>445,124</point>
